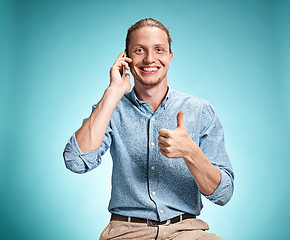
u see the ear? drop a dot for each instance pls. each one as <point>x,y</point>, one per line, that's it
<point>170,57</point>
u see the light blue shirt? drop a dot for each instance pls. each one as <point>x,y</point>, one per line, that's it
<point>146,184</point>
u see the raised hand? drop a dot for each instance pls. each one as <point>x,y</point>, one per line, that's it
<point>118,77</point>
<point>175,143</point>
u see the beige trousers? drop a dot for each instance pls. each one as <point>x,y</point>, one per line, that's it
<point>188,229</point>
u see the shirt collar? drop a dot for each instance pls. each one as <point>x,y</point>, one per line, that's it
<point>133,97</point>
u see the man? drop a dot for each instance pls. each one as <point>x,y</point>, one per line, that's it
<point>167,147</point>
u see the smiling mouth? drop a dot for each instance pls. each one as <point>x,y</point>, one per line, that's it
<point>149,69</point>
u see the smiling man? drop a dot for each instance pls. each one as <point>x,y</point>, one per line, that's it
<point>167,147</point>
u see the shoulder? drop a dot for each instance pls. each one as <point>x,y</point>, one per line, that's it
<point>188,99</point>
<point>194,105</point>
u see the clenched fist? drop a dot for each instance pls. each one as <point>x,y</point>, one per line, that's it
<point>175,143</point>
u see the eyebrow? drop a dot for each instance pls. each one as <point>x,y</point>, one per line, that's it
<point>156,45</point>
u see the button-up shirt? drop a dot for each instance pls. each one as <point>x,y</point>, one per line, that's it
<point>145,183</point>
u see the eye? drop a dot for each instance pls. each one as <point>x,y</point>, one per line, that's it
<point>139,50</point>
<point>159,50</point>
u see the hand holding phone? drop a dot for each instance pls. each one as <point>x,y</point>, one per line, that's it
<point>118,72</point>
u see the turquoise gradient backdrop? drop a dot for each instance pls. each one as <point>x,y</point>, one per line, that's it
<point>55,58</point>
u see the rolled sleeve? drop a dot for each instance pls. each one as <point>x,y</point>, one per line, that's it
<point>212,145</point>
<point>224,191</point>
<point>79,162</point>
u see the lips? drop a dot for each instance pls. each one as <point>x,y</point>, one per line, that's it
<point>151,69</point>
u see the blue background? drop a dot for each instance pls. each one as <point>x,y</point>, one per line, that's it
<point>55,58</point>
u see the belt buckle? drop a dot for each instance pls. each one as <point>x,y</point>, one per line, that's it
<point>149,223</point>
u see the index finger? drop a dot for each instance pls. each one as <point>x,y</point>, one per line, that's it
<point>123,55</point>
<point>164,132</point>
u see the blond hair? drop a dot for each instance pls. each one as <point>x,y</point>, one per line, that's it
<point>144,23</point>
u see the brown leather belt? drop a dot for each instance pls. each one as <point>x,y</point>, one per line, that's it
<point>151,223</point>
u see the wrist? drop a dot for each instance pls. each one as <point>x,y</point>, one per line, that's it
<point>191,154</point>
<point>117,90</point>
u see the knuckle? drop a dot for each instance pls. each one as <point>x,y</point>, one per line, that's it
<point>168,149</point>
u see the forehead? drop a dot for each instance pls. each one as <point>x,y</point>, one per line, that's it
<point>148,36</point>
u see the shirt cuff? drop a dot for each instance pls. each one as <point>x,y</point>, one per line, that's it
<point>91,159</point>
<point>223,192</point>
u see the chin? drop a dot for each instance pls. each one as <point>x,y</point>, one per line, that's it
<point>149,83</point>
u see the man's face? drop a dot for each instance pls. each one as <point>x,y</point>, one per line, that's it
<point>149,50</point>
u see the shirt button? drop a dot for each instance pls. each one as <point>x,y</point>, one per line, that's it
<point>152,168</point>
<point>152,144</point>
<point>161,211</point>
<point>153,193</point>
<point>153,119</point>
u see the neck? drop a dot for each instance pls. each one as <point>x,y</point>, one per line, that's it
<point>153,95</point>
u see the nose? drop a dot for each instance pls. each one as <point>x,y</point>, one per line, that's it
<point>149,58</point>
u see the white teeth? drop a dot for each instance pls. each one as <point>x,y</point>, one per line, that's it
<point>149,69</point>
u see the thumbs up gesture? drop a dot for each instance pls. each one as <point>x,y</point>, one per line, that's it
<point>175,143</point>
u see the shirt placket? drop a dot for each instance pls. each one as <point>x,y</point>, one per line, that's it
<point>153,153</point>
<point>152,161</point>
<point>154,191</point>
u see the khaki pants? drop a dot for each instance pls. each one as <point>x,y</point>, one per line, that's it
<point>188,229</point>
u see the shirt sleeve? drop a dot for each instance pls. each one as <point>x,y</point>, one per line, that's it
<point>79,162</point>
<point>212,145</point>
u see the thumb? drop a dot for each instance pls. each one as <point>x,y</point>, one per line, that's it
<point>180,122</point>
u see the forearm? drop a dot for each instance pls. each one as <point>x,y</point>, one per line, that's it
<point>91,134</point>
<point>206,175</point>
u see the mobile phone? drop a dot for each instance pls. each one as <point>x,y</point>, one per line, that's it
<point>124,69</point>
